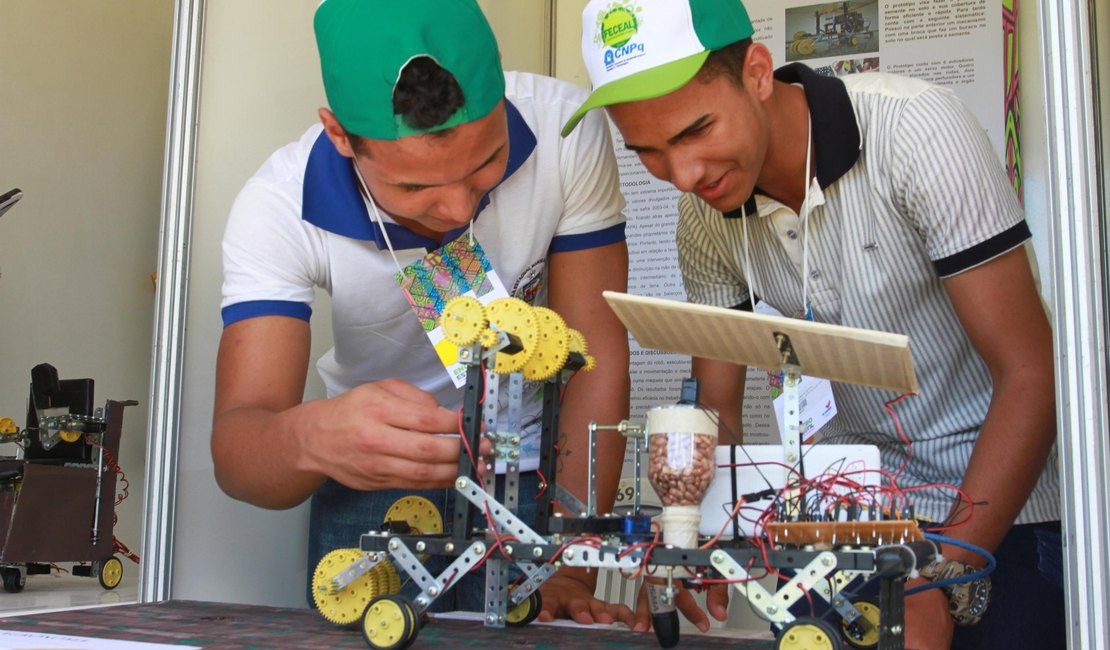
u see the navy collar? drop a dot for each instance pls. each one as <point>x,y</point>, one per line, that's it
<point>836,134</point>
<point>331,199</point>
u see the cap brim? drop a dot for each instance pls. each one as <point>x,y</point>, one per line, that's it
<point>653,82</point>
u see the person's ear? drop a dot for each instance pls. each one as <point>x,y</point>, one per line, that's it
<point>759,71</point>
<point>336,133</point>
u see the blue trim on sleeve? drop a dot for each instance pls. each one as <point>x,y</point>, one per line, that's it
<point>331,199</point>
<point>244,310</point>
<point>596,239</point>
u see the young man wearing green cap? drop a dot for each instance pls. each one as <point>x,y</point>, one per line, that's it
<point>427,153</point>
<point>877,202</point>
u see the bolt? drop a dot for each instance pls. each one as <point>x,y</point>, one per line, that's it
<point>491,619</point>
<point>826,561</point>
<point>537,552</point>
<point>433,591</point>
<point>508,550</point>
<point>462,483</point>
<point>772,609</point>
<point>895,629</point>
<point>479,549</point>
<point>449,547</point>
<point>569,554</point>
<point>393,545</point>
<point>420,546</point>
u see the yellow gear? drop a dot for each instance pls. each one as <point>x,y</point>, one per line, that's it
<point>516,317</point>
<point>8,426</point>
<point>69,436</point>
<point>347,606</point>
<point>578,344</point>
<point>463,320</point>
<point>420,514</point>
<point>554,346</point>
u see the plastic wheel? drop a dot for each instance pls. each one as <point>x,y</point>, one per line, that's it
<point>14,580</point>
<point>111,573</point>
<point>525,612</point>
<point>389,623</point>
<point>807,633</point>
<point>863,636</point>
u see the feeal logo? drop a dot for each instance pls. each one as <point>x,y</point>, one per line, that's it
<point>617,24</point>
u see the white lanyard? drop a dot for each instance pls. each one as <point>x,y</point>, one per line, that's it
<point>803,215</point>
<point>381,223</point>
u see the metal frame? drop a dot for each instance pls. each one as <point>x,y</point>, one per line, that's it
<point>1078,232</point>
<point>156,574</point>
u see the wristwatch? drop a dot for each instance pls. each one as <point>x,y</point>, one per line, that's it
<point>967,601</point>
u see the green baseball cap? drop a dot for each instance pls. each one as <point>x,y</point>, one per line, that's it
<point>365,44</point>
<point>639,49</point>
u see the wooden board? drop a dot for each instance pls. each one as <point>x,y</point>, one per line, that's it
<point>846,354</point>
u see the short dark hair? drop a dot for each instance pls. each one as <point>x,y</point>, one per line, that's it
<point>425,96</point>
<point>727,61</point>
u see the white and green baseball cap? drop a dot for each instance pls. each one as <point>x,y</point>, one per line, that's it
<point>639,49</point>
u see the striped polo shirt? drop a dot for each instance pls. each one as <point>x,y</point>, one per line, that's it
<point>911,192</point>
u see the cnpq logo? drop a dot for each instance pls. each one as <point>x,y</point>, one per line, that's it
<point>617,24</point>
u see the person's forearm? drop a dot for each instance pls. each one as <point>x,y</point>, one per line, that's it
<point>257,456</point>
<point>1009,456</point>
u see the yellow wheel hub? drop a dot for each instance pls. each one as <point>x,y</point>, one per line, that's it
<point>806,637</point>
<point>389,623</point>
<point>111,573</point>
<point>870,612</point>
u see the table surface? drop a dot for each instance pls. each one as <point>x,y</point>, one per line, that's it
<point>233,626</point>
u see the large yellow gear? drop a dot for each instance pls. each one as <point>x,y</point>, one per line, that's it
<point>420,514</point>
<point>346,607</point>
<point>516,317</point>
<point>463,320</point>
<point>553,347</point>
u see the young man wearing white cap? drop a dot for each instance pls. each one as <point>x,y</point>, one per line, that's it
<point>872,201</point>
<point>426,144</point>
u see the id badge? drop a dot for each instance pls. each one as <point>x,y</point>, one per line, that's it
<point>816,404</point>
<point>459,268</point>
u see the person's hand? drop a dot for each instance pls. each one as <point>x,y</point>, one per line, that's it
<point>716,603</point>
<point>566,595</point>
<point>386,434</point>
<point>928,623</point>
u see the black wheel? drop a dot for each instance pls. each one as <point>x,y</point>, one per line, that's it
<point>389,623</point>
<point>525,612</point>
<point>864,631</point>
<point>111,573</point>
<point>807,633</point>
<point>14,580</point>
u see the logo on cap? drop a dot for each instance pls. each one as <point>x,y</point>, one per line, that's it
<point>617,24</point>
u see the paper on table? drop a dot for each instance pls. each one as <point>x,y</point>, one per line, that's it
<point>30,640</point>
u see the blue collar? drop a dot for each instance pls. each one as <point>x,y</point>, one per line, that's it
<point>331,198</point>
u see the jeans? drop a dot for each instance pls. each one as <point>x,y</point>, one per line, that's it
<point>1027,595</point>
<point>339,516</point>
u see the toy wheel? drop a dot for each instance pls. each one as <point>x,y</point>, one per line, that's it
<point>111,573</point>
<point>389,623</point>
<point>526,611</point>
<point>13,580</point>
<point>807,633</point>
<point>867,635</point>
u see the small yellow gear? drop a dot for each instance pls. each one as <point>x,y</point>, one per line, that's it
<point>578,344</point>
<point>516,317</point>
<point>347,606</point>
<point>488,339</point>
<point>8,426</point>
<point>554,346</point>
<point>69,435</point>
<point>463,320</point>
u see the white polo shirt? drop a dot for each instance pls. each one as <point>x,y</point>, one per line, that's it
<point>912,192</point>
<point>301,223</point>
